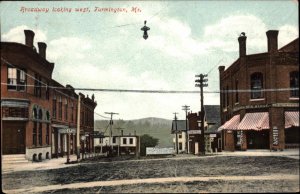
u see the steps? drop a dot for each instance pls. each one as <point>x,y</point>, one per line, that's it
<point>14,159</point>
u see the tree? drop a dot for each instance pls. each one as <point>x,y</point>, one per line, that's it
<point>147,141</point>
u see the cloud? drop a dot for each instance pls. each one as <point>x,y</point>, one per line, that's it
<point>70,48</point>
<point>16,34</point>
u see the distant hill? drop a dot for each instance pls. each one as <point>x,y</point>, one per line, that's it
<point>156,127</point>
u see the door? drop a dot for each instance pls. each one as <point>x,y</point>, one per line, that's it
<point>196,148</point>
<point>13,139</point>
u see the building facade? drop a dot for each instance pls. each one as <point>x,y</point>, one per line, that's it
<point>32,111</point>
<point>260,97</point>
<point>180,129</point>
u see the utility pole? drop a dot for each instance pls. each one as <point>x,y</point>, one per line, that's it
<point>202,83</point>
<point>186,108</point>
<point>78,129</point>
<point>176,137</point>
<point>119,128</point>
<point>110,127</point>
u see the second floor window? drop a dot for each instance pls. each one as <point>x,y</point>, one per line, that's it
<point>40,133</point>
<point>294,83</point>
<point>16,79</point>
<point>66,109</point>
<point>54,107</point>
<point>37,86</point>
<point>47,135</point>
<point>34,137</point>
<point>60,108</point>
<point>236,91</point>
<point>256,85</point>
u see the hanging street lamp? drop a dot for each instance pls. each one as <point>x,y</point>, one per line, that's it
<point>145,29</point>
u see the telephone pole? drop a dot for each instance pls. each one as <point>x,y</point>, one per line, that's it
<point>176,135</point>
<point>186,108</point>
<point>119,128</point>
<point>202,83</point>
<point>110,127</point>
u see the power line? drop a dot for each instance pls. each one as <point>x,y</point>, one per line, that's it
<point>48,86</point>
<point>161,91</point>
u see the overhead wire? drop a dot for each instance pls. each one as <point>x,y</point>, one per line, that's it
<point>48,86</point>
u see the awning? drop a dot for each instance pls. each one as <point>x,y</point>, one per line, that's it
<point>291,119</point>
<point>255,121</point>
<point>231,124</point>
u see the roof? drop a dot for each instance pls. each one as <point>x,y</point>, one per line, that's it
<point>180,125</point>
<point>291,47</point>
<point>212,113</point>
<point>212,116</point>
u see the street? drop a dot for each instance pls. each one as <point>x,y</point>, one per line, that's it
<point>194,174</point>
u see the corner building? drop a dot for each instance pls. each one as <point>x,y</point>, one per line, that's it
<point>32,112</point>
<point>260,97</point>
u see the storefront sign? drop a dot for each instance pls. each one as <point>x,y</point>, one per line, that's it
<point>212,135</point>
<point>275,136</point>
<point>67,130</point>
<point>159,151</point>
<point>194,132</point>
<point>266,106</point>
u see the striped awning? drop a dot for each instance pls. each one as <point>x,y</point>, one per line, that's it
<point>255,121</point>
<point>291,119</point>
<point>231,124</point>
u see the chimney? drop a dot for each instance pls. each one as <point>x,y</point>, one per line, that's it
<point>221,69</point>
<point>42,49</point>
<point>242,42</point>
<point>29,35</point>
<point>272,41</point>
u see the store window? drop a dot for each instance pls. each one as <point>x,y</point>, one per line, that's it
<point>256,85</point>
<point>294,83</point>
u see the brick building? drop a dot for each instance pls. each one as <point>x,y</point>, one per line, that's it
<point>260,97</point>
<point>32,112</point>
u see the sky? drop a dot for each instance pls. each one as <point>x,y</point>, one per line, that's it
<point>106,50</point>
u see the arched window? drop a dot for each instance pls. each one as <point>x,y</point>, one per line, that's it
<point>40,114</point>
<point>48,116</point>
<point>34,113</point>
<point>256,85</point>
<point>294,83</point>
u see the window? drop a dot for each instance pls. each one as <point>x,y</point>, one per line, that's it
<point>294,83</point>
<point>236,91</point>
<point>131,141</point>
<point>223,97</point>
<point>47,135</point>
<point>180,146</point>
<point>47,92</point>
<point>40,116</point>
<point>40,133</point>
<point>34,142</point>
<point>66,109</point>
<point>227,96</point>
<point>256,85</point>
<point>38,86</point>
<point>34,113</point>
<point>72,111</point>
<point>124,141</point>
<point>16,79</point>
<point>60,108</point>
<point>179,136</point>
<point>54,107</point>
<point>114,140</point>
